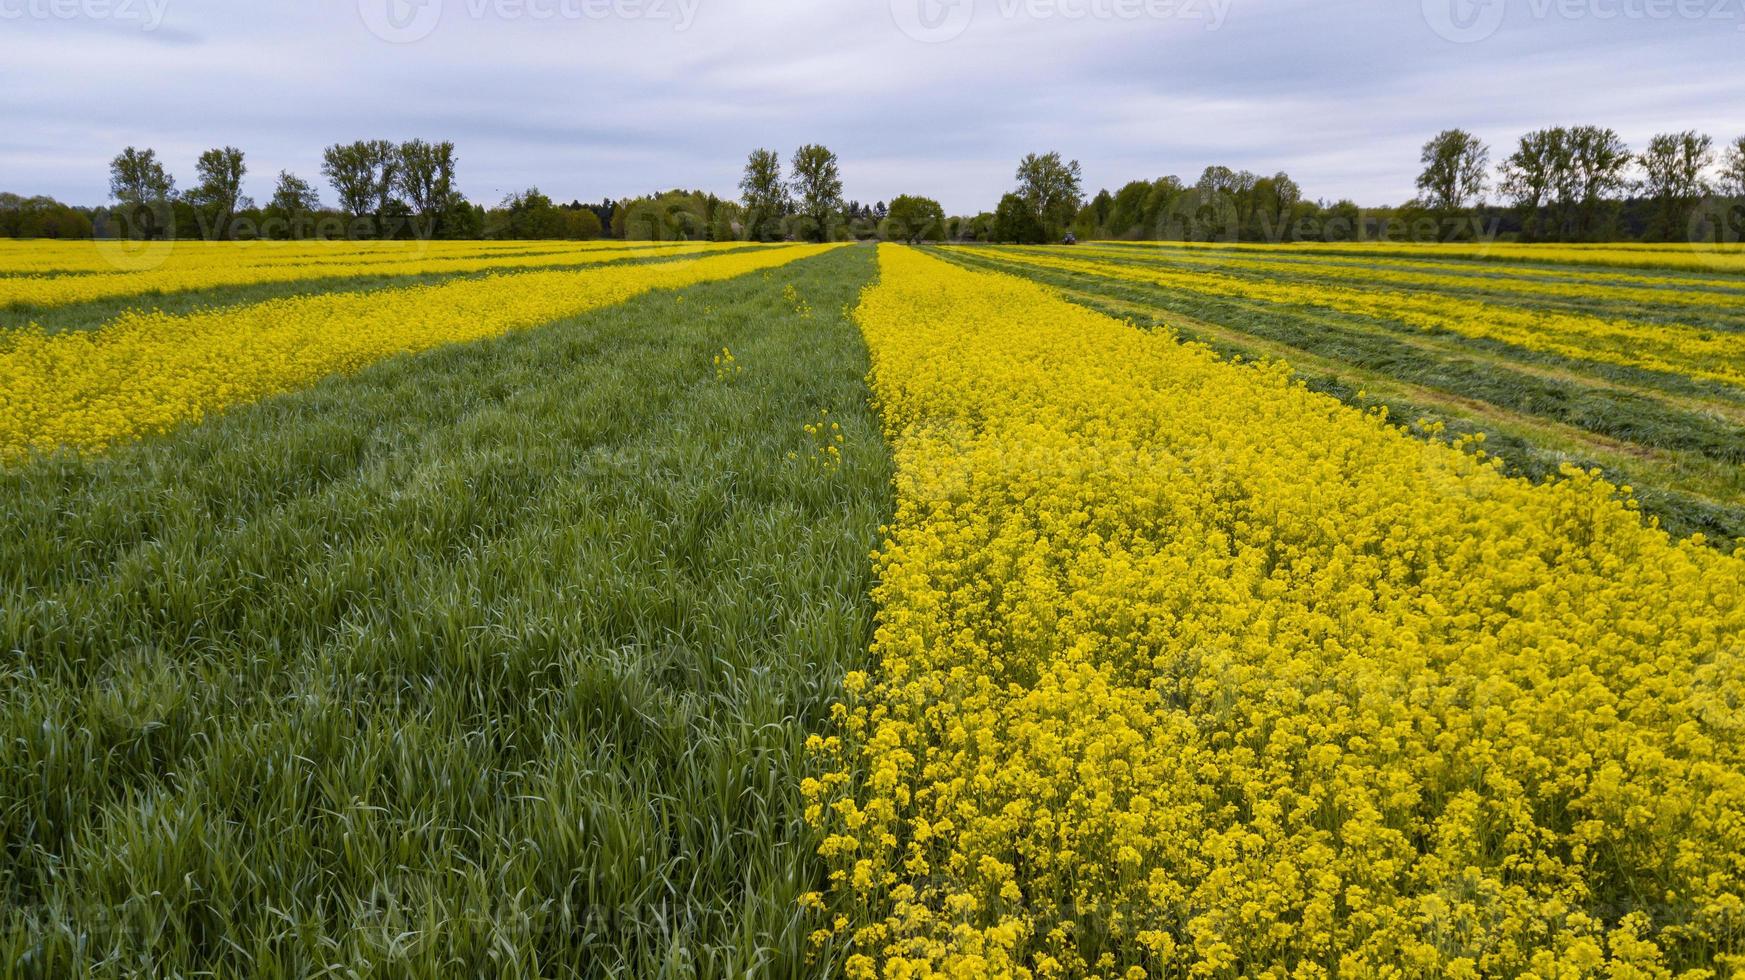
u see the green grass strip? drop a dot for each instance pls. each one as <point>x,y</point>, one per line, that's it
<point>493,660</point>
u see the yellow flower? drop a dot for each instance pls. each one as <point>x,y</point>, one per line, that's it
<point>1187,670</point>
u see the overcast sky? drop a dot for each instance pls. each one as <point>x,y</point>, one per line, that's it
<point>596,98</point>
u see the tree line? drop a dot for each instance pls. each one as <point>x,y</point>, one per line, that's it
<point>1585,184</point>
<point>382,190</point>
<point>1563,184</point>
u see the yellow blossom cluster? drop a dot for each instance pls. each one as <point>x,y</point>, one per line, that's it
<point>1183,670</point>
<point>190,266</point>
<point>147,372</point>
<point>1681,349</point>
<point>798,302</point>
<point>826,440</point>
<point>727,367</point>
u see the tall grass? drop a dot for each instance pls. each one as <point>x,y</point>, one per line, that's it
<point>491,661</point>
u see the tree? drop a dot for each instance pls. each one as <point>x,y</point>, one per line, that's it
<point>1127,212</point>
<point>294,195</point>
<point>218,195</point>
<point>530,215</point>
<point>675,215</point>
<point>1052,189</point>
<point>41,217</point>
<point>912,219</point>
<point>1530,176</point>
<point>363,175</point>
<point>727,221</point>
<point>1455,162</point>
<point>1093,219</point>
<point>764,193</point>
<point>1598,165</point>
<point>425,175</point>
<point>817,182</point>
<point>290,213</point>
<point>1673,177</point>
<point>1732,180</point>
<point>581,223</point>
<point>1015,222</point>
<point>1271,206</point>
<point>1163,197</point>
<point>144,189</point>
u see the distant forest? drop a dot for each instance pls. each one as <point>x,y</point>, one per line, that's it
<point>1565,184</point>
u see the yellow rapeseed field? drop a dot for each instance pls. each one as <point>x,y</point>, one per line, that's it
<point>147,371</point>
<point>1680,349</point>
<point>1686,256</point>
<point>204,269</point>
<point>1185,670</point>
<point>49,257</point>
<point>1527,284</point>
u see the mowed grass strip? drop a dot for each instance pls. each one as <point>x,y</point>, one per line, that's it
<point>493,660</point>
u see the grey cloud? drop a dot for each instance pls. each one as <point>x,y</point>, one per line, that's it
<point>1339,94</point>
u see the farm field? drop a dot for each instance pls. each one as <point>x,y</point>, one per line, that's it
<point>1555,357</point>
<point>688,610</point>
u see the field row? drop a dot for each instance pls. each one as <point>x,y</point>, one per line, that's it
<point>50,258</point>
<point>149,372</point>
<point>1429,352</point>
<point>24,295</point>
<point>1686,256</point>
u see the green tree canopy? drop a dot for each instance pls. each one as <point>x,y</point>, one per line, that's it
<point>912,219</point>
<point>144,189</point>
<point>1455,164</point>
<point>364,175</point>
<point>1733,169</point>
<point>1015,222</point>
<point>1052,188</point>
<point>764,194</point>
<point>1674,178</point>
<point>817,183</point>
<point>219,193</point>
<point>425,176</point>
